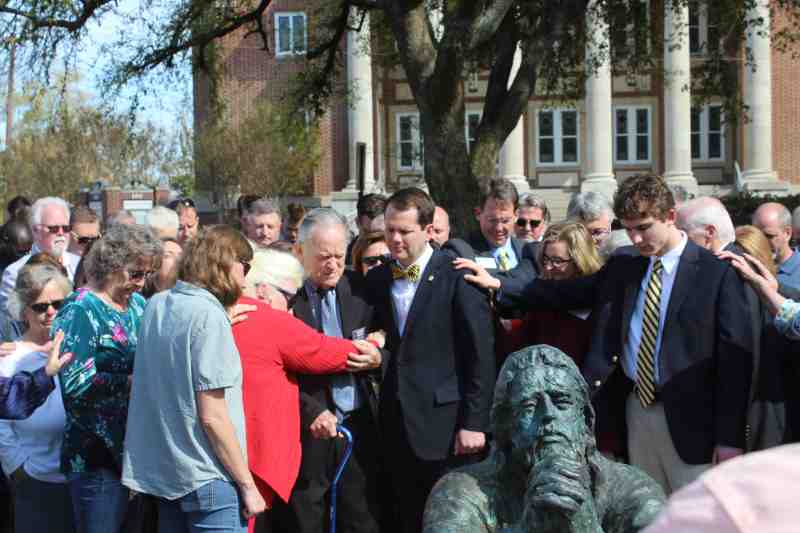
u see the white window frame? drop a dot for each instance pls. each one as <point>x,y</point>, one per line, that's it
<point>705,133</point>
<point>558,137</point>
<point>468,114</point>
<point>701,48</point>
<point>290,15</point>
<point>416,142</point>
<point>633,135</point>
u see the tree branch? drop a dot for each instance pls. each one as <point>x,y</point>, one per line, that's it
<point>486,24</point>
<point>43,21</point>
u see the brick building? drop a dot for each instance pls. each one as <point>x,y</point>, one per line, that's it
<point>619,128</point>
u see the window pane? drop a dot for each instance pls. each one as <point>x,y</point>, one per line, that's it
<point>405,128</point>
<point>642,121</point>
<point>569,150</point>
<point>284,34</point>
<point>714,146</point>
<point>695,146</point>
<point>406,154</point>
<point>622,148</point>
<point>695,120</point>
<point>622,121</point>
<point>569,123</point>
<point>546,123</point>
<point>713,39</point>
<point>714,118</point>
<point>642,148</point>
<point>472,124</point>
<point>546,154</point>
<point>694,40</point>
<point>299,33</point>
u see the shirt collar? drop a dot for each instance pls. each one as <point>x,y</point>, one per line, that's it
<point>313,291</point>
<point>791,264</point>
<point>422,260</point>
<point>670,259</point>
<point>507,248</point>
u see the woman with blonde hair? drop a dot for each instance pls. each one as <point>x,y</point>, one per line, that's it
<point>185,439</point>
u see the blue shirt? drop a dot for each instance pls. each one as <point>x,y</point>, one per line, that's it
<point>670,262</point>
<point>510,255</point>
<point>789,271</point>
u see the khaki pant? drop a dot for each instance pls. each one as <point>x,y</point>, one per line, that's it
<point>651,448</point>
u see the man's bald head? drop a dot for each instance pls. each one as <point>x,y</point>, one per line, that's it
<point>776,222</point>
<point>441,226</point>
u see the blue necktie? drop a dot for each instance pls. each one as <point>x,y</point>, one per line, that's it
<point>343,387</point>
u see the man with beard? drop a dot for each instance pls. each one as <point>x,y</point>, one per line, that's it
<point>544,473</point>
<point>50,218</point>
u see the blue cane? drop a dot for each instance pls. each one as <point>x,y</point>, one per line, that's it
<point>348,451</point>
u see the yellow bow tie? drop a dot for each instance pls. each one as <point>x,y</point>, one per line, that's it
<point>412,274</point>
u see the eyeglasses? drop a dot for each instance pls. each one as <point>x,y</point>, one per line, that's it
<point>56,229</point>
<point>522,222</point>
<point>291,297</point>
<point>245,266</point>
<point>83,241</point>
<point>137,275</point>
<point>498,221</point>
<point>599,232</point>
<point>557,262</point>
<point>186,202</point>
<point>42,307</point>
<point>372,260</point>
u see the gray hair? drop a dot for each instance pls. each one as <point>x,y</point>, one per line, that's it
<point>120,247</point>
<point>162,218</point>
<point>708,211</point>
<point>796,217</point>
<point>532,201</point>
<point>119,217</point>
<point>31,281</point>
<point>263,206</point>
<point>589,206</point>
<point>321,216</point>
<point>41,204</point>
<point>276,268</point>
<point>616,239</point>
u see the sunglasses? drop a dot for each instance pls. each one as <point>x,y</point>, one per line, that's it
<point>83,241</point>
<point>522,222</point>
<point>372,260</point>
<point>186,202</point>
<point>56,229</point>
<point>42,307</point>
<point>136,275</point>
<point>291,297</point>
<point>245,266</point>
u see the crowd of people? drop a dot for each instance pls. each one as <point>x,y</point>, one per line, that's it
<point>172,377</point>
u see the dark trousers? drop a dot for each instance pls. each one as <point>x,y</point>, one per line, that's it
<point>357,501</point>
<point>411,479</point>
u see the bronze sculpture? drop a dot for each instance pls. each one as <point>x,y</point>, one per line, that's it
<point>544,473</point>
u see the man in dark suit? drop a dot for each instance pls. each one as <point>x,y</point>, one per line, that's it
<point>332,301</point>
<point>439,376</point>
<point>676,342</point>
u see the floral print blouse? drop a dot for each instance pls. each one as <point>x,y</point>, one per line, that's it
<point>95,383</point>
<point>787,321</point>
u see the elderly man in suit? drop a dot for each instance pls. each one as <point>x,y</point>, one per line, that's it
<point>438,378</point>
<point>332,301</point>
<point>676,343</point>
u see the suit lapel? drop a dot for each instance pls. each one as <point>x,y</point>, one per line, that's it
<point>424,290</point>
<point>303,310</point>
<point>632,285</point>
<point>384,283</point>
<point>345,305</point>
<point>684,282</point>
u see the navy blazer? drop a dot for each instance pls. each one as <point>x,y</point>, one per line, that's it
<point>705,362</point>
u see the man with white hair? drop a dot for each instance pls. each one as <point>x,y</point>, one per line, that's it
<point>593,210</point>
<point>262,223</point>
<point>163,221</point>
<point>275,277</point>
<point>51,233</point>
<point>776,222</point>
<point>332,300</point>
<point>707,223</point>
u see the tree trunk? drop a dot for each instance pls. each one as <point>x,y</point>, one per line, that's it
<point>12,60</point>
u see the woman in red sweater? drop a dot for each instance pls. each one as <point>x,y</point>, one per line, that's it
<point>274,346</point>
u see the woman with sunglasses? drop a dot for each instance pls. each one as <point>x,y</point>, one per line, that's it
<point>369,251</point>
<point>101,327</point>
<point>269,364</point>
<point>30,449</point>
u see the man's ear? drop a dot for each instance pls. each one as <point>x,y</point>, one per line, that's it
<point>477,211</point>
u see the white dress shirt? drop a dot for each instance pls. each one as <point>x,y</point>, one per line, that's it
<point>403,290</point>
<point>35,442</point>
<point>670,262</point>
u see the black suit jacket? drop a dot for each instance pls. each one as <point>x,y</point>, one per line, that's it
<point>355,313</point>
<point>706,350</point>
<point>440,374</point>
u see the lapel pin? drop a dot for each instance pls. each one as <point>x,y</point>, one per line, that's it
<point>430,278</point>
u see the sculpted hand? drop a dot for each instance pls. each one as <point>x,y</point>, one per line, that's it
<point>56,361</point>
<point>468,442</point>
<point>238,312</point>
<point>324,426</point>
<point>480,276</point>
<point>252,502</point>
<point>369,357</point>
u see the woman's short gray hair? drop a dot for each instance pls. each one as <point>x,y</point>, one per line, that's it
<point>588,206</point>
<point>119,247</point>
<point>31,281</point>
<point>276,268</point>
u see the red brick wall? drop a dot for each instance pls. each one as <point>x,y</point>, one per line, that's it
<point>785,111</point>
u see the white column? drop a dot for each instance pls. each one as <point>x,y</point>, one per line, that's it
<point>677,99</point>
<point>360,116</point>
<point>758,172</point>
<point>598,173</point>
<point>512,156</point>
